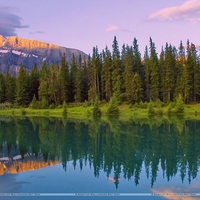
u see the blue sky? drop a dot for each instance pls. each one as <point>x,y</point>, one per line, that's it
<point>82,24</point>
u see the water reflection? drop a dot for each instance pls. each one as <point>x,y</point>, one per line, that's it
<point>111,145</point>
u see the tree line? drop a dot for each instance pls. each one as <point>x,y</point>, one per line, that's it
<point>126,75</point>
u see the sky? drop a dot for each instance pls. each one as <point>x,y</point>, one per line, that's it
<point>83,24</point>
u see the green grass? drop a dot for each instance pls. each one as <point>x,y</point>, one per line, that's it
<point>192,111</point>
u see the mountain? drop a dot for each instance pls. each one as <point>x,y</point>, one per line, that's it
<point>13,162</point>
<point>15,51</point>
<point>29,163</point>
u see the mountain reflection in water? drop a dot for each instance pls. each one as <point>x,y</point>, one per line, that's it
<point>111,145</point>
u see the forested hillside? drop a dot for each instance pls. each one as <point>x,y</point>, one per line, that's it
<point>127,74</point>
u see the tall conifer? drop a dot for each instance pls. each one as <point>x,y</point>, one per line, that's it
<point>116,69</point>
<point>9,87</point>
<point>22,88</point>
<point>107,74</point>
<point>64,80</point>
<point>78,81</point>
<point>153,69</point>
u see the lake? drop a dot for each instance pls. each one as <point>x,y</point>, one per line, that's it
<point>51,158</point>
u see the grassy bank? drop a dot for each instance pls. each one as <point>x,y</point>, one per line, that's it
<point>81,112</point>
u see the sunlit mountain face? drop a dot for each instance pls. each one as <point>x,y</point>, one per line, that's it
<point>15,51</point>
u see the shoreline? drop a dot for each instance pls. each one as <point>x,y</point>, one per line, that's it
<point>79,112</point>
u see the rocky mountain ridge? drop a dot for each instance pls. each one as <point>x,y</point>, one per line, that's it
<point>15,51</point>
<point>13,162</point>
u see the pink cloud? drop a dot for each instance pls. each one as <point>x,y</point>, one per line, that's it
<point>112,28</point>
<point>190,11</point>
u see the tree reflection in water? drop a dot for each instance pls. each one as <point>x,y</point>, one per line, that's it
<point>113,146</point>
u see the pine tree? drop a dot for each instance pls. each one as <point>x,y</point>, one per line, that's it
<point>162,75</point>
<point>54,85</point>
<point>9,87</point>
<point>113,109</point>
<point>147,74</point>
<point>128,73</point>
<point>123,55</point>
<point>193,72</point>
<point>34,103</point>
<point>100,66</point>
<point>64,113</point>
<point>94,84</point>
<point>116,69</point>
<point>182,78</point>
<point>96,110</point>
<point>106,74</point>
<point>85,75</point>
<point>2,88</point>
<point>34,82</point>
<point>167,71</point>
<point>78,81</point>
<point>170,62</point>
<point>137,90</point>
<point>44,85</point>
<point>153,69</point>
<point>179,104</point>
<point>136,58</point>
<point>64,80</point>
<point>22,88</point>
<point>123,52</point>
<point>72,79</point>
<point>138,66</point>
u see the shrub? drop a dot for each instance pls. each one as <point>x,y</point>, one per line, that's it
<point>43,104</point>
<point>173,104</point>
<point>16,105</point>
<point>151,110</point>
<point>85,104</point>
<point>131,106</point>
<point>23,111</point>
<point>89,103</point>
<point>180,106</point>
<point>158,103</point>
<point>96,112</point>
<point>34,103</point>
<point>143,105</point>
<point>160,111</point>
<point>52,106</point>
<point>169,109</point>
<point>124,97</point>
<point>89,113</point>
<point>113,109</point>
<point>136,105</point>
<point>193,103</point>
<point>5,105</point>
<point>64,112</point>
<point>8,105</point>
<point>103,102</point>
<point>60,106</point>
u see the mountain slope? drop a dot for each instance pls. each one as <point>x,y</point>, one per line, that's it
<point>15,51</point>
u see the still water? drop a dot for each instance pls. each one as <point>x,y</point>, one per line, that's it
<point>54,158</point>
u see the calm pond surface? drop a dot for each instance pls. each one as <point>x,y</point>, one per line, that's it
<point>55,158</point>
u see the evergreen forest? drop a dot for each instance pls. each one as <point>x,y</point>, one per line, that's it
<point>127,74</point>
